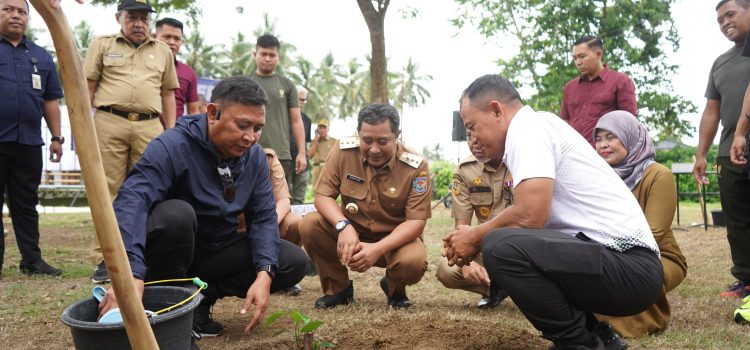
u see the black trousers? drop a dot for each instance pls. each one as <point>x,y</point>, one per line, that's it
<point>172,251</point>
<point>20,174</point>
<point>734,187</point>
<point>559,281</point>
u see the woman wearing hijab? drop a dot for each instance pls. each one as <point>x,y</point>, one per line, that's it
<point>626,146</point>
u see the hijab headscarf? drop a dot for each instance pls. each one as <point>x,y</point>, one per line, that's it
<point>637,142</point>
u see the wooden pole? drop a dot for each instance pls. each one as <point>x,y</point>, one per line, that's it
<point>82,124</point>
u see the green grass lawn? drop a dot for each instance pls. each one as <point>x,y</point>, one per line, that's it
<point>30,307</point>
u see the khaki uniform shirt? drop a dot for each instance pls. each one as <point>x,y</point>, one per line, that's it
<point>480,189</point>
<point>385,197</point>
<point>130,79</point>
<point>322,149</point>
<point>278,181</point>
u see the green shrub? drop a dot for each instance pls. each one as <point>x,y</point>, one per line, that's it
<point>441,173</point>
<point>685,154</point>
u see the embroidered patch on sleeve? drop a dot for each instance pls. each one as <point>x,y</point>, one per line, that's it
<point>420,184</point>
<point>456,187</point>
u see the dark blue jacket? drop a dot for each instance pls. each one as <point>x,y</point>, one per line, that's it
<point>182,164</point>
<point>21,106</point>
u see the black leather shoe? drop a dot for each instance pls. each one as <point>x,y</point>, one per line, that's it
<point>39,268</point>
<point>596,345</point>
<point>496,297</point>
<point>610,339</point>
<point>344,297</point>
<point>396,301</point>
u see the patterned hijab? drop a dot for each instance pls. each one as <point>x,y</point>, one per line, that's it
<point>637,142</point>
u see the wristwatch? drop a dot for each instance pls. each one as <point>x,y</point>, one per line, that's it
<point>60,139</point>
<point>341,225</point>
<point>267,268</point>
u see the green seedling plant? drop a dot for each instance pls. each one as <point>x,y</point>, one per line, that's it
<point>303,330</point>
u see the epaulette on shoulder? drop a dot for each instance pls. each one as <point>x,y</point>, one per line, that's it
<point>467,160</point>
<point>269,152</point>
<point>349,142</point>
<point>411,159</point>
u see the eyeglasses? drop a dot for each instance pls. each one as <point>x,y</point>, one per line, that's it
<point>227,182</point>
<point>302,99</point>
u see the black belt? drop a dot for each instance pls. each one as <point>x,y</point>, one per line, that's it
<point>133,117</point>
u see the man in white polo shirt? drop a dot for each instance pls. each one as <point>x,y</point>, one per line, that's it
<point>575,241</point>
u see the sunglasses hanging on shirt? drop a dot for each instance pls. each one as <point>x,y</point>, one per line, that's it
<point>227,182</point>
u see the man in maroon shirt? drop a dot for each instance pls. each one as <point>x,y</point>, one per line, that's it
<point>169,31</point>
<point>596,91</point>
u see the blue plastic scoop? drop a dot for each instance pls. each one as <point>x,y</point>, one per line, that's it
<point>113,315</point>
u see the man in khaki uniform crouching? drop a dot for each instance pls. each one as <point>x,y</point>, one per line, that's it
<point>481,187</point>
<point>385,203</point>
<point>131,80</point>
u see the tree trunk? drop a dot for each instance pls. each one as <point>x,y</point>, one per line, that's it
<point>375,19</point>
<point>77,98</point>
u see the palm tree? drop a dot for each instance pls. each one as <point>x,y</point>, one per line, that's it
<point>83,33</point>
<point>239,57</point>
<point>356,88</point>
<point>326,87</point>
<point>201,57</point>
<point>411,91</point>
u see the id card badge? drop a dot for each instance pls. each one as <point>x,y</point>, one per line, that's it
<point>36,81</point>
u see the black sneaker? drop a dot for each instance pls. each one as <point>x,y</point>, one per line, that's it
<point>608,336</point>
<point>203,324</point>
<point>100,275</point>
<point>496,297</point>
<point>343,297</point>
<point>40,267</point>
<point>396,301</point>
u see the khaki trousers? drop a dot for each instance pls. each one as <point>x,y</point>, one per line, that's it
<point>289,228</point>
<point>121,143</point>
<point>403,266</point>
<point>452,277</point>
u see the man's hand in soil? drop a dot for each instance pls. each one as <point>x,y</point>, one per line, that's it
<point>367,254</point>
<point>109,301</point>
<point>258,295</point>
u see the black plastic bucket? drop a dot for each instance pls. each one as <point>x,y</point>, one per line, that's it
<point>171,329</point>
<point>717,217</point>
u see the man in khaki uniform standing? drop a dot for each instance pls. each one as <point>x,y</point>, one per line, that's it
<point>131,80</point>
<point>481,187</point>
<point>385,203</point>
<point>320,147</point>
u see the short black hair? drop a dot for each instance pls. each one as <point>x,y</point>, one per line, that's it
<point>267,41</point>
<point>376,113</point>
<point>592,41</point>
<point>170,22</point>
<point>743,3</point>
<point>494,86</point>
<point>240,89</point>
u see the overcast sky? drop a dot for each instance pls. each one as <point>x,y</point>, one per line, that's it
<point>454,58</point>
